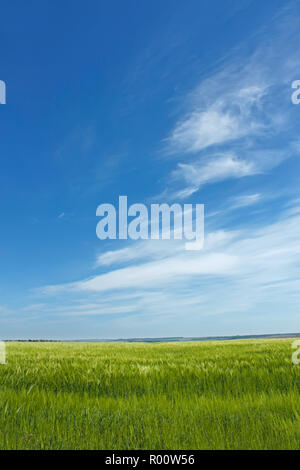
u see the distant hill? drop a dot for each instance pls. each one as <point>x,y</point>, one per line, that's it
<point>182,338</point>
<point>171,339</point>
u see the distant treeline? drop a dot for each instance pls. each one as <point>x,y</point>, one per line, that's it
<point>34,340</point>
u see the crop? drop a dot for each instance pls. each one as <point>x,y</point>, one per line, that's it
<point>189,395</point>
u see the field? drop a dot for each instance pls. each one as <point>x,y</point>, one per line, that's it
<point>212,395</point>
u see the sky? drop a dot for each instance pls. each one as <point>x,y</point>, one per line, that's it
<point>164,102</point>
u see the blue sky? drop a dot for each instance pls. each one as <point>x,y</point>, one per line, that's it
<point>170,101</point>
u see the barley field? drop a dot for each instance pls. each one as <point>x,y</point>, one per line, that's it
<point>206,395</point>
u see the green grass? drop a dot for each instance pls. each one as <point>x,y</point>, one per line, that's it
<point>212,395</point>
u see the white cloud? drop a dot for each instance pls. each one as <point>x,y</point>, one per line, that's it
<point>229,124</point>
<point>97,309</point>
<point>160,272</point>
<point>215,168</point>
<point>154,249</point>
<point>244,201</point>
<point>228,118</point>
<point>235,271</point>
<point>236,252</point>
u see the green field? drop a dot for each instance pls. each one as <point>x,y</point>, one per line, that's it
<point>205,395</point>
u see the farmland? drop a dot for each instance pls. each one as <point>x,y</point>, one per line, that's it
<point>191,395</point>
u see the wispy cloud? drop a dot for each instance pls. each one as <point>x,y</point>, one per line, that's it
<point>141,250</point>
<point>236,121</point>
<point>231,117</point>
<point>245,254</point>
<point>244,201</point>
<point>238,271</point>
<point>215,168</point>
